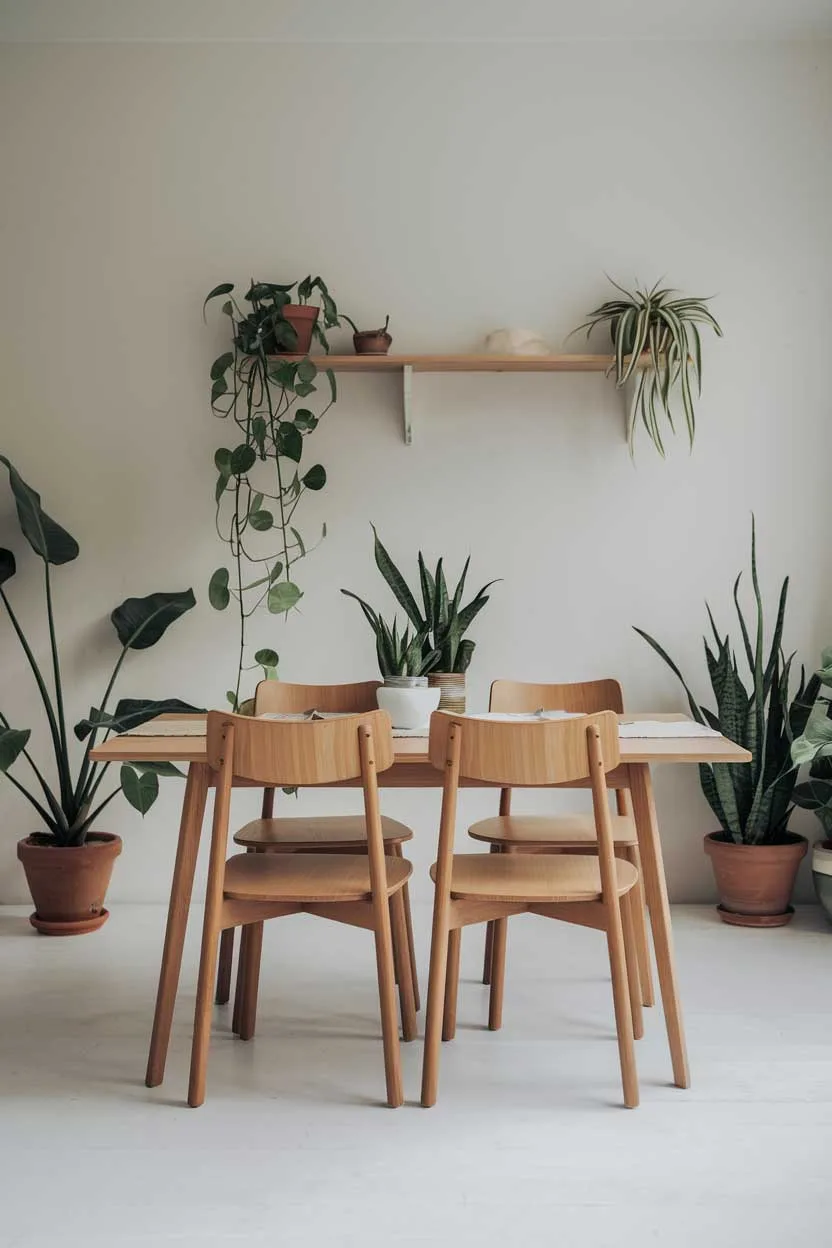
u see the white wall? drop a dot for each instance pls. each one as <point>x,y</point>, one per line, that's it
<point>460,188</point>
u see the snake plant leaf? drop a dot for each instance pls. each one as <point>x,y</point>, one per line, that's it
<point>130,712</point>
<point>12,744</point>
<point>141,791</point>
<point>8,567</point>
<point>396,581</point>
<point>428,587</point>
<point>44,535</point>
<point>140,622</point>
<point>464,654</point>
<point>441,603</point>
<point>282,597</point>
<point>469,613</point>
<point>219,594</point>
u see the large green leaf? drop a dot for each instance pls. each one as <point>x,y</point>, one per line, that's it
<point>283,597</point>
<point>140,622</point>
<point>141,791</point>
<point>8,567</point>
<point>43,534</point>
<point>130,712</point>
<point>12,744</point>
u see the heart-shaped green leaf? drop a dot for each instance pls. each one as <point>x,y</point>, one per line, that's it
<point>305,420</point>
<point>43,534</point>
<point>315,478</point>
<point>221,364</point>
<point>283,597</point>
<point>218,594</point>
<point>291,441</point>
<point>12,743</point>
<point>307,370</point>
<point>140,622</point>
<point>222,461</point>
<point>219,388</point>
<point>243,457</point>
<point>140,791</point>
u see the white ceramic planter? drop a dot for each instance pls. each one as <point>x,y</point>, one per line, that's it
<point>408,708</point>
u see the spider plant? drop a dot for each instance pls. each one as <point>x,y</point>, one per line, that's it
<point>657,345</point>
<point>68,811</point>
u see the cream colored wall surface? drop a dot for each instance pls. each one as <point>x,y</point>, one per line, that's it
<point>460,188</point>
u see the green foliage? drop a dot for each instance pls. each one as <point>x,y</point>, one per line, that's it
<point>259,480</point>
<point>814,746</point>
<point>440,623</point>
<point>752,801</point>
<point>667,329</point>
<point>69,810</point>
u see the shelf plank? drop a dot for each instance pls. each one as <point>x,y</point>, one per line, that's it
<point>472,363</point>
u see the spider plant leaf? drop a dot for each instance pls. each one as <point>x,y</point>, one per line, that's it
<point>621,327</point>
<point>696,346</point>
<point>397,583</point>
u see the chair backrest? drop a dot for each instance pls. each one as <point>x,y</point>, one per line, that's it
<point>583,697</point>
<point>322,751</point>
<point>555,751</point>
<point>276,697</point>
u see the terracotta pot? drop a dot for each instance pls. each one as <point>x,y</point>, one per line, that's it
<point>822,874</point>
<point>371,342</point>
<point>68,884</point>
<point>452,686</point>
<point>302,318</point>
<point>755,882</point>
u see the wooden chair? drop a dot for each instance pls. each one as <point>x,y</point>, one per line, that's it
<point>363,890</point>
<point>345,834</point>
<point>593,890</point>
<point>536,834</point>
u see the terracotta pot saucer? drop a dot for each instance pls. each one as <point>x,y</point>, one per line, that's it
<point>755,920</point>
<point>74,927</point>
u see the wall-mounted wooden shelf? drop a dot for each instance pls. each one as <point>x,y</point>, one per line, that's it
<point>407,365</point>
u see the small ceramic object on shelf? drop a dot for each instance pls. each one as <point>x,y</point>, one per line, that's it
<point>372,341</point>
<point>822,874</point>
<point>408,701</point>
<point>515,342</point>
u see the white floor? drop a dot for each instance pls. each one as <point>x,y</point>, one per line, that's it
<point>527,1144</point>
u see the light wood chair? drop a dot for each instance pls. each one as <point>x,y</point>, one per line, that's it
<point>593,890</point>
<point>363,890</point>
<point>536,834</point>
<point>344,834</point>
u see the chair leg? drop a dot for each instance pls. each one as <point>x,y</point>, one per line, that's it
<point>202,1014</point>
<point>642,940</point>
<point>411,945</point>
<point>498,974</point>
<point>224,969</point>
<point>435,1008</point>
<point>251,980</point>
<point>628,905</point>
<point>621,1002</point>
<point>489,938</point>
<point>451,984</point>
<point>239,987</point>
<point>387,1002</point>
<point>401,955</point>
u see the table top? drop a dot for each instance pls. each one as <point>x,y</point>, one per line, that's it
<point>414,750</point>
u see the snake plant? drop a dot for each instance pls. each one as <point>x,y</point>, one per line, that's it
<point>752,801</point>
<point>657,345</point>
<point>399,654</point>
<point>443,621</point>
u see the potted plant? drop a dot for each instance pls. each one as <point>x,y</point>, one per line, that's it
<point>403,661</point>
<point>814,746</point>
<point>657,345</point>
<point>370,341</point>
<point>67,864</point>
<point>276,325</point>
<point>754,855</point>
<point>268,402</point>
<point>442,624</point>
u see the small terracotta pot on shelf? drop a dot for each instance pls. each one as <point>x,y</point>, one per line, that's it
<point>372,341</point>
<point>755,882</point>
<point>452,687</point>
<point>302,317</point>
<point>68,884</point>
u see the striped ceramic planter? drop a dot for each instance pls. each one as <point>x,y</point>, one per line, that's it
<point>822,874</point>
<point>452,690</point>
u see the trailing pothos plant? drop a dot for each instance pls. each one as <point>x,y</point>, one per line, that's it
<point>753,802</point>
<point>67,810</point>
<point>658,347</point>
<point>268,402</point>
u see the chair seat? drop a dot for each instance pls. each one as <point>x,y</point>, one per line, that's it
<point>536,878</point>
<point>325,832</point>
<point>307,877</point>
<point>564,831</point>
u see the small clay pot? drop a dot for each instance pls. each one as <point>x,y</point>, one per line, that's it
<point>371,342</point>
<point>68,885</point>
<point>755,882</point>
<point>452,686</point>
<point>302,318</point>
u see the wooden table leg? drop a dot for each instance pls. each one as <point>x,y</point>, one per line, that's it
<point>655,886</point>
<point>190,828</point>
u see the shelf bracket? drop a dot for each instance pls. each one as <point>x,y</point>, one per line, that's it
<point>407,402</point>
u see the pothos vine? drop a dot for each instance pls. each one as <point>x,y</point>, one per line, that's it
<point>259,485</point>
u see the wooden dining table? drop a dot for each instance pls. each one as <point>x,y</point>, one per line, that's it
<point>412,769</point>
